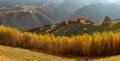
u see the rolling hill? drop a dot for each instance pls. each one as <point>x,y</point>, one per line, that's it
<point>41,17</point>
<point>26,2</point>
<point>55,11</point>
<point>24,18</point>
<point>118,19</point>
<point>27,17</point>
<point>78,29</point>
<point>64,29</point>
<point>18,54</point>
<point>24,15</point>
<point>96,12</point>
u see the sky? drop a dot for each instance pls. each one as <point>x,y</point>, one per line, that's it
<point>77,1</point>
<point>80,1</point>
<point>92,1</point>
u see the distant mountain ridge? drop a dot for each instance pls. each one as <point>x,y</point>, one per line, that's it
<point>97,11</point>
<point>44,14</point>
<point>24,19</point>
<point>27,2</point>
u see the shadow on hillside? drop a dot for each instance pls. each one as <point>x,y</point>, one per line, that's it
<point>95,58</point>
<point>88,58</point>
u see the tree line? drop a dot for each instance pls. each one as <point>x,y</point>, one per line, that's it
<point>97,44</point>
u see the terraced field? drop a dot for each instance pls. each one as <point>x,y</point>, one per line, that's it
<point>17,54</point>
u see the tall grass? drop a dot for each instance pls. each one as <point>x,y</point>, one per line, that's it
<point>97,44</point>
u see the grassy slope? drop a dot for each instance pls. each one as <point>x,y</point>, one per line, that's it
<point>78,29</point>
<point>17,54</point>
<point>24,18</point>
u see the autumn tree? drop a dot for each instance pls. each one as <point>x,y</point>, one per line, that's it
<point>82,21</point>
<point>106,20</point>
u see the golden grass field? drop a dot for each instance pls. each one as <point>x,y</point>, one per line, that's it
<point>18,54</point>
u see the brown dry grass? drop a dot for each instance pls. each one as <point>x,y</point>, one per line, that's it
<point>18,54</point>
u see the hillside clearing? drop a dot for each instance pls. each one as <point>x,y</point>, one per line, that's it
<point>17,54</point>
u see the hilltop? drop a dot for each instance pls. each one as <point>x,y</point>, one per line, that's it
<point>77,26</point>
<point>24,17</point>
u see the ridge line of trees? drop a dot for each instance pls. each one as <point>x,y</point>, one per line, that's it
<point>49,28</point>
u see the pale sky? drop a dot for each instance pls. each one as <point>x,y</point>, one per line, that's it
<point>94,1</point>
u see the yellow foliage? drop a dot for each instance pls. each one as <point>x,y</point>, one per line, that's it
<point>82,21</point>
<point>67,22</point>
<point>97,44</point>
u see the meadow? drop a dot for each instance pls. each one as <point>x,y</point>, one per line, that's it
<point>97,44</point>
